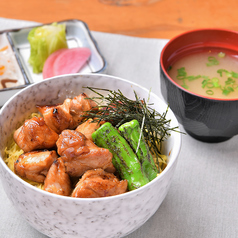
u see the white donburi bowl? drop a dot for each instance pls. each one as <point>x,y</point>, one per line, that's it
<point>58,216</point>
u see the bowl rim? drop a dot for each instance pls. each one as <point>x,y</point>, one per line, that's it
<point>179,86</point>
<point>176,147</point>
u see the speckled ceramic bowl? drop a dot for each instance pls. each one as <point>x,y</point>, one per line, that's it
<point>58,216</point>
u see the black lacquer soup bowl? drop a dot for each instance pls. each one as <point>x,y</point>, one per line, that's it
<point>204,118</point>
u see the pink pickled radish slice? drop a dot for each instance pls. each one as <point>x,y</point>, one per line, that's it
<point>48,66</point>
<point>71,61</point>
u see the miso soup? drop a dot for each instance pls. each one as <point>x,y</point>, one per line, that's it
<point>211,72</point>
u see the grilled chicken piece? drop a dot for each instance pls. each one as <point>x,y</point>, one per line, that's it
<point>98,183</point>
<point>81,154</point>
<point>88,127</point>
<point>57,180</point>
<point>57,117</point>
<point>34,165</point>
<point>80,105</point>
<point>67,115</point>
<point>34,134</point>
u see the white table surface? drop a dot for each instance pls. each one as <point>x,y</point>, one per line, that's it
<point>203,198</point>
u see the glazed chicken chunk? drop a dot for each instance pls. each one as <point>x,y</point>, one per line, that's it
<point>88,127</point>
<point>57,117</point>
<point>67,115</point>
<point>98,183</point>
<point>34,134</point>
<point>81,154</point>
<point>80,105</point>
<point>35,165</point>
<point>57,180</point>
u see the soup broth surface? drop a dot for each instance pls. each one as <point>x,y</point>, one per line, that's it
<point>211,72</point>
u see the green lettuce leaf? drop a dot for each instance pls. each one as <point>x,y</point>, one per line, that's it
<point>45,40</point>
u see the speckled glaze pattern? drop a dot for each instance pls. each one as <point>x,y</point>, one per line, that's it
<point>58,216</point>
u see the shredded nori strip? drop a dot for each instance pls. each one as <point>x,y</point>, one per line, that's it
<point>118,109</point>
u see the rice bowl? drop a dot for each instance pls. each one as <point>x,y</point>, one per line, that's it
<point>58,216</point>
